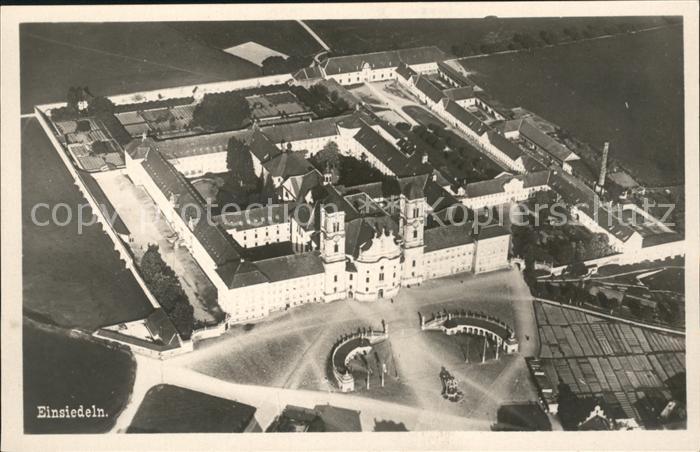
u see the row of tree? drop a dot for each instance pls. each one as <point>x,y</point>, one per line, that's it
<point>81,102</point>
<point>166,288</point>
<point>530,40</point>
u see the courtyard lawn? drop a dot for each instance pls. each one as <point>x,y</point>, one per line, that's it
<point>116,58</point>
<point>60,370</point>
<point>422,116</point>
<point>72,279</point>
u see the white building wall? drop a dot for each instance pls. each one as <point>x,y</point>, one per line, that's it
<point>491,254</point>
<point>198,165</point>
<point>264,235</point>
<point>293,292</point>
<point>448,261</point>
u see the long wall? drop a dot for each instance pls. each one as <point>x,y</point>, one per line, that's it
<point>188,90</point>
<point>124,253</point>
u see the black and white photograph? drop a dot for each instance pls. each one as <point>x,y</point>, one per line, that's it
<point>406,218</point>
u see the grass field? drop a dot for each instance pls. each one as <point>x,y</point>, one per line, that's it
<point>360,36</point>
<point>74,280</point>
<point>627,90</point>
<point>285,36</point>
<point>116,58</point>
<point>60,370</point>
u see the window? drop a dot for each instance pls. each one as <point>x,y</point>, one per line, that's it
<point>335,278</point>
<point>367,280</point>
<point>381,276</point>
<point>335,248</point>
<point>415,233</point>
<point>350,276</point>
<point>414,263</point>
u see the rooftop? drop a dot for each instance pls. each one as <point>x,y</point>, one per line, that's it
<point>217,243</point>
<point>291,266</point>
<point>381,60</point>
<point>172,409</point>
<point>448,236</point>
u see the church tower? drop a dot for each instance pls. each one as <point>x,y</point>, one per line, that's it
<point>412,203</point>
<point>332,244</point>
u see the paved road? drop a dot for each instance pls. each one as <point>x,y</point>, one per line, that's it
<point>300,340</point>
<point>314,35</point>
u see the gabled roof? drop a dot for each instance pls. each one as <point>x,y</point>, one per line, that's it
<point>287,164</point>
<point>392,158</point>
<point>504,145</point>
<point>491,231</point>
<point>447,236</point>
<point>412,186</point>
<point>381,60</point>
<point>291,266</point>
<point>453,73</point>
<point>303,130</point>
<point>160,326</point>
<point>357,233</point>
<point>308,73</point>
<point>217,243</point>
<point>405,72</point>
<point>466,118</point>
<point>299,186</point>
<point>240,274</point>
<point>544,141</point>
<point>337,419</point>
<point>427,87</point>
<point>254,218</point>
<point>262,147</point>
<point>578,194</point>
<point>461,93</point>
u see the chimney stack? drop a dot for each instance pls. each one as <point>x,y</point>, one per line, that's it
<point>603,167</point>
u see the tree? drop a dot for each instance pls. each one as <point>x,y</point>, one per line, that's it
<point>329,155</point>
<point>274,65</point>
<point>568,409</point>
<point>598,246</point>
<point>182,317</point>
<point>269,193</point>
<point>100,105</point>
<point>72,98</point>
<point>221,111</point>
<point>239,162</point>
<point>161,279</point>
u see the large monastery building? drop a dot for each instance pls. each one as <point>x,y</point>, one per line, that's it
<point>324,242</point>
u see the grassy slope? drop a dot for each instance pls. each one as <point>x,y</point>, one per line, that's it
<point>583,87</point>
<point>75,280</point>
<point>286,36</point>
<point>358,36</point>
<point>115,58</point>
<point>60,370</point>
